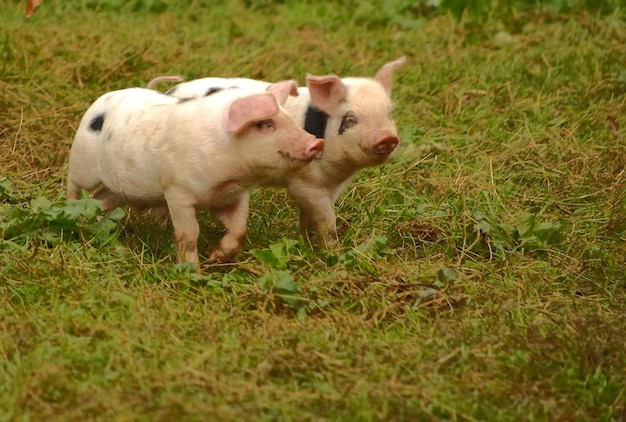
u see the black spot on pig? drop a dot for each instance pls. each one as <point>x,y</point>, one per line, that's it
<point>315,121</point>
<point>212,90</point>
<point>171,91</point>
<point>184,100</point>
<point>96,123</point>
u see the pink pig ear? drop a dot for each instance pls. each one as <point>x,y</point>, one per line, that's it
<point>326,91</point>
<point>385,74</point>
<point>282,90</point>
<point>247,110</point>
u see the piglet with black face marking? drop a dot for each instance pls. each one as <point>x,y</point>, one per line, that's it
<point>146,149</point>
<point>352,114</point>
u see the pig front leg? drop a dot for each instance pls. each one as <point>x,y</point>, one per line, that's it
<point>317,215</point>
<point>234,216</point>
<point>186,227</point>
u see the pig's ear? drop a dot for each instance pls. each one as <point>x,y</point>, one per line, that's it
<point>247,110</point>
<point>385,74</point>
<point>282,90</point>
<point>326,91</point>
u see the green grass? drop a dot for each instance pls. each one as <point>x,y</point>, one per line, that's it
<point>481,273</point>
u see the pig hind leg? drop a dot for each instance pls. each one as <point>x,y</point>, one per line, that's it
<point>110,200</point>
<point>235,218</point>
<point>73,191</point>
<point>83,162</point>
<point>80,180</point>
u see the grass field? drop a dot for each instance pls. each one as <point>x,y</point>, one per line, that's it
<point>481,273</point>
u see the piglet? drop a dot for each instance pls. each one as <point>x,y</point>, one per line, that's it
<point>353,115</point>
<point>146,149</point>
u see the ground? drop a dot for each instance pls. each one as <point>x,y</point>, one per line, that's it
<point>480,275</point>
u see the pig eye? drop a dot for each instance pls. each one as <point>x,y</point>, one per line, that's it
<point>347,122</point>
<point>266,124</point>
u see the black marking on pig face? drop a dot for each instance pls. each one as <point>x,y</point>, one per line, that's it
<point>315,121</point>
<point>212,90</point>
<point>171,91</point>
<point>184,100</point>
<point>96,123</point>
<point>347,121</point>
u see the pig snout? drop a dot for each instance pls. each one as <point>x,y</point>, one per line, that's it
<point>304,149</point>
<point>386,143</point>
<point>314,148</point>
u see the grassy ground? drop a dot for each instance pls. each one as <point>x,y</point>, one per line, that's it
<point>481,273</point>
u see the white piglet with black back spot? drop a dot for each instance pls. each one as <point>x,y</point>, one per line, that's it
<point>147,149</point>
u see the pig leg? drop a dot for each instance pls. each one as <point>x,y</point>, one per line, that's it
<point>160,216</point>
<point>317,215</point>
<point>73,191</point>
<point>235,218</point>
<point>186,227</point>
<point>110,201</point>
<point>75,185</point>
<point>82,174</point>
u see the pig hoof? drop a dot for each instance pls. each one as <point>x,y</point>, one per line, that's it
<point>329,244</point>
<point>218,255</point>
